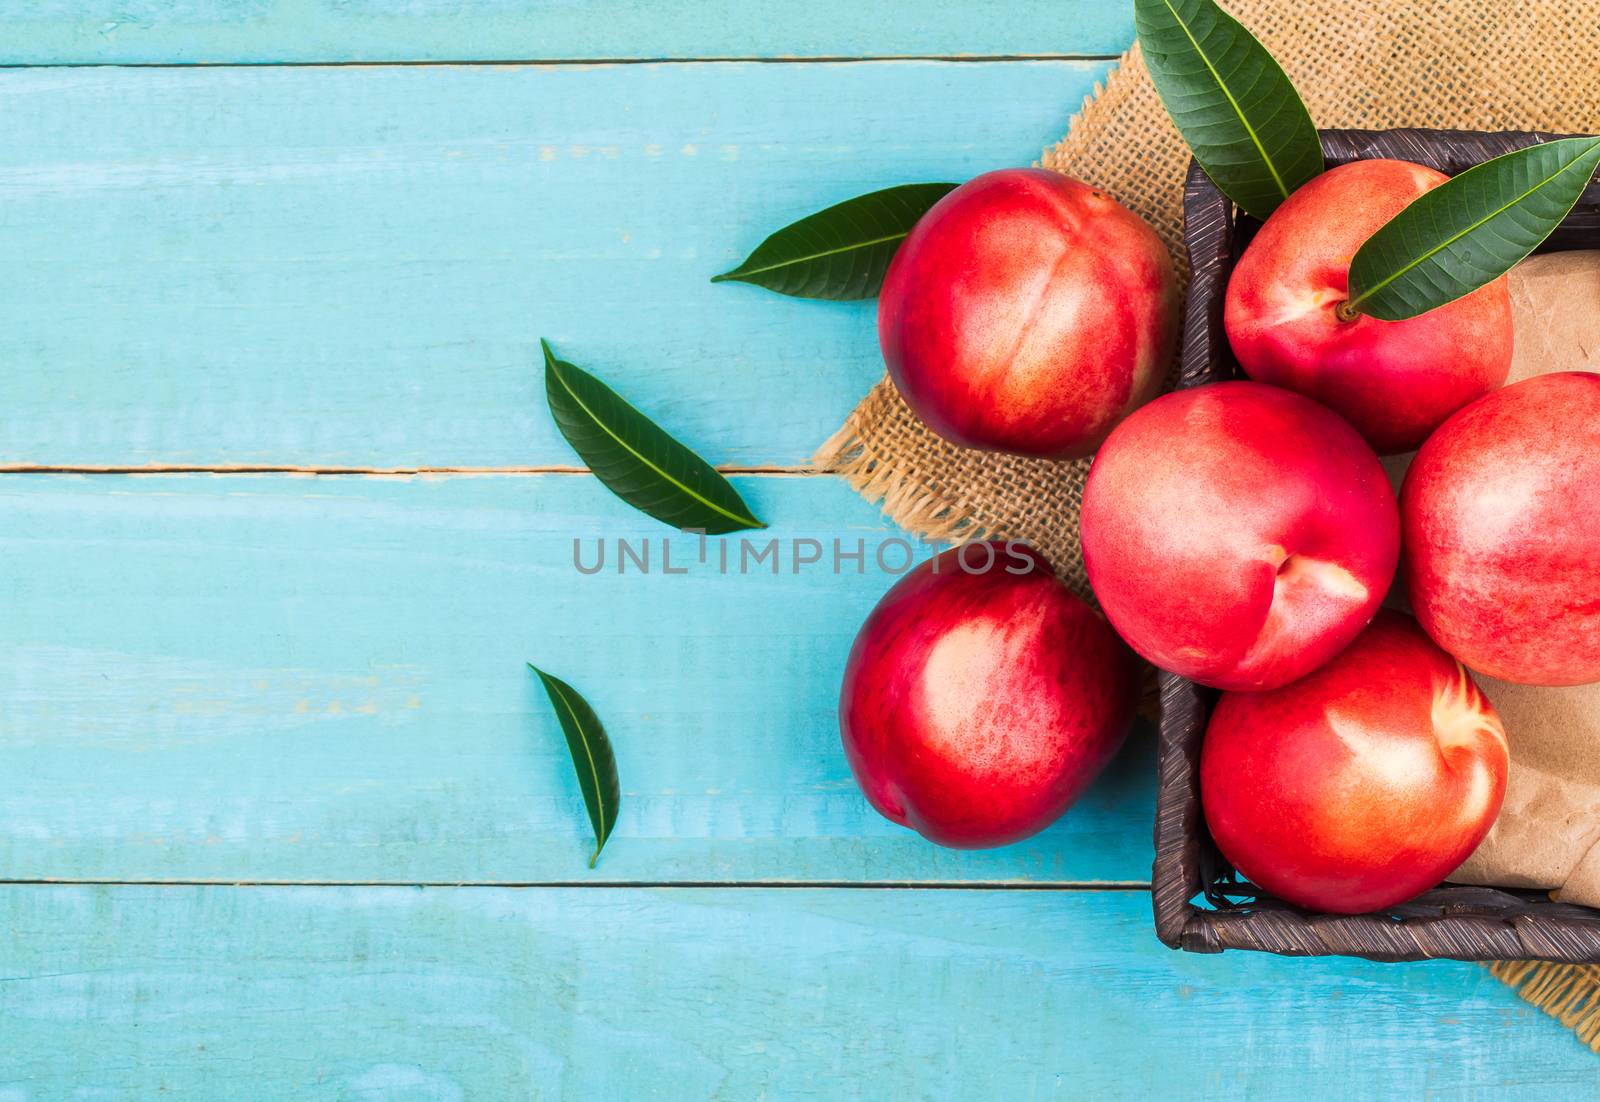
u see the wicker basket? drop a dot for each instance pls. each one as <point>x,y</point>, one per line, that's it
<point>1463,923</point>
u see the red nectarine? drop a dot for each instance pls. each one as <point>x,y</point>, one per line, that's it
<point>1362,784</point>
<point>1238,534</point>
<point>978,704</point>
<point>1028,313</point>
<point>1395,381</point>
<point>1501,513</point>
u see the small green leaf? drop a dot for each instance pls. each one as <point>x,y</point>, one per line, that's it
<point>635,459</point>
<point>1469,231</point>
<point>1233,104</point>
<point>842,252</point>
<point>591,756</point>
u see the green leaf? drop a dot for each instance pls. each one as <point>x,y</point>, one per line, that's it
<point>1469,231</point>
<point>1230,100</point>
<point>591,756</point>
<point>842,252</point>
<point>635,459</point>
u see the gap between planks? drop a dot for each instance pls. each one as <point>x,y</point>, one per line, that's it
<point>690,885</point>
<point>369,472</point>
<point>576,62</point>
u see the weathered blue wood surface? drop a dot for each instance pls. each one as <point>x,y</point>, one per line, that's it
<point>248,678</point>
<point>352,267</point>
<point>254,31</point>
<point>677,994</point>
<point>294,678</point>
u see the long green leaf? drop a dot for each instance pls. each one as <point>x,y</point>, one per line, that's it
<point>1470,230</point>
<point>635,459</point>
<point>1230,100</point>
<point>842,252</point>
<point>591,756</point>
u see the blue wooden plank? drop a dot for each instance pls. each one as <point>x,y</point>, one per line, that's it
<point>352,267</point>
<point>295,678</point>
<point>720,994</point>
<point>54,32</point>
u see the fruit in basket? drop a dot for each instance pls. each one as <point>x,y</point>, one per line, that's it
<point>1028,313</point>
<point>1501,514</point>
<point>1238,534</point>
<point>982,696</point>
<point>1395,381</point>
<point>1361,785</point>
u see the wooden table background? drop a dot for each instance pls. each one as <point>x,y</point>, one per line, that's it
<point>283,514</point>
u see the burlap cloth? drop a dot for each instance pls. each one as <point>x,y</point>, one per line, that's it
<point>1472,64</point>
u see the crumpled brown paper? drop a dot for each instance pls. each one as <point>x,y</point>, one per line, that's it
<point>1548,833</point>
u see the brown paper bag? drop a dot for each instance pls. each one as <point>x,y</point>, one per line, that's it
<point>1548,833</point>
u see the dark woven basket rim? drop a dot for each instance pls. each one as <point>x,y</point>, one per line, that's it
<point>1451,921</point>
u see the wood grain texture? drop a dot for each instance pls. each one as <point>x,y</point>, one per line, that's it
<point>352,267</point>
<point>55,32</point>
<point>579,994</point>
<point>293,678</point>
